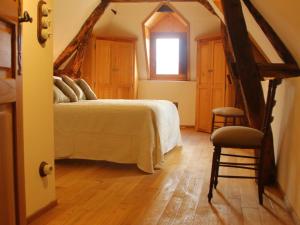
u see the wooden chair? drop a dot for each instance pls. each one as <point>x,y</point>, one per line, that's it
<point>243,138</point>
<point>230,115</point>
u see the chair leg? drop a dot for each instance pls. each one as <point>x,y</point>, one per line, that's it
<point>212,123</point>
<point>260,182</point>
<point>225,121</point>
<point>218,156</point>
<point>213,172</point>
<point>234,121</point>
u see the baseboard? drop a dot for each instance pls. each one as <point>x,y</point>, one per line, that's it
<point>187,127</point>
<point>41,211</point>
<point>289,207</point>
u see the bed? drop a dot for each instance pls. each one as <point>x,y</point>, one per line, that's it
<point>124,131</point>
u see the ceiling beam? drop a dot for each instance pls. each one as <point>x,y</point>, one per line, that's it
<point>278,70</point>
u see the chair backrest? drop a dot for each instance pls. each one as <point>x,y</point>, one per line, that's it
<point>268,118</point>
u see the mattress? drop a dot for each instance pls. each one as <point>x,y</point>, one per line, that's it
<point>122,131</point>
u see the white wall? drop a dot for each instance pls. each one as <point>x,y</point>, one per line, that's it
<point>37,112</point>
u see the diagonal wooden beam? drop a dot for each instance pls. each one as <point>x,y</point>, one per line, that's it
<point>79,39</point>
<point>208,6</point>
<point>246,66</point>
<point>249,76</point>
<point>278,44</point>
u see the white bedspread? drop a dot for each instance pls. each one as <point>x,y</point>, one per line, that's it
<point>123,131</point>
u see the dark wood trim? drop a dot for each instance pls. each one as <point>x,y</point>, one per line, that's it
<point>278,70</point>
<point>275,70</point>
<point>42,211</point>
<point>278,44</point>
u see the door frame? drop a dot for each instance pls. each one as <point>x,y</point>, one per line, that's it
<point>17,174</point>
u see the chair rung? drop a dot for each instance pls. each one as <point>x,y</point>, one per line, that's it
<point>240,167</point>
<point>240,164</point>
<point>240,156</point>
<point>241,177</point>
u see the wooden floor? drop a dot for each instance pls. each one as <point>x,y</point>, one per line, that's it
<point>99,193</point>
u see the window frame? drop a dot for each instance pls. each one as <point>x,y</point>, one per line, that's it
<point>183,57</point>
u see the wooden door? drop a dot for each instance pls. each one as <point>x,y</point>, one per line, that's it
<point>218,74</point>
<point>115,68</point>
<point>204,82</point>
<point>12,205</point>
<point>211,81</point>
<point>88,65</point>
<point>103,68</point>
<point>122,69</point>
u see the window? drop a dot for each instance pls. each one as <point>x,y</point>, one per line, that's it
<point>168,56</point>
<point>166,35</point>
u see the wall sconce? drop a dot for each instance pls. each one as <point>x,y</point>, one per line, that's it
<point>43,22</point>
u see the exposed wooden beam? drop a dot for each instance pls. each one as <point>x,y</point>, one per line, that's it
<point>208,6</point>
<point>249,76</point>
<point>275,70</point>
<point>246,66</point>
<point>80,39</point>
<point>278,44</point>
<point>278,70</point>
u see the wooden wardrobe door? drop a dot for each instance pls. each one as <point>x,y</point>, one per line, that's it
<point>12,197</point>
<point>122,69</point>
<point>103,67</point>
<point>204,92</point>
<point>218,74</point>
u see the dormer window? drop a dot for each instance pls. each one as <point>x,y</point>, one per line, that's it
<point>166,41</point>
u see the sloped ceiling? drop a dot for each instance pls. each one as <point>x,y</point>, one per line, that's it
<point>285,20</point>
<point>68,17</point>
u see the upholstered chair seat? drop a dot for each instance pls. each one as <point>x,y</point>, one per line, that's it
<point>228,111</point>
<point>237,137</point>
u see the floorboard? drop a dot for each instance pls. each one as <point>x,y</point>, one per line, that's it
<point>102,193</point>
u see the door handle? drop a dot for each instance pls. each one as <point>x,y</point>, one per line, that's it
<point>25,18</point>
